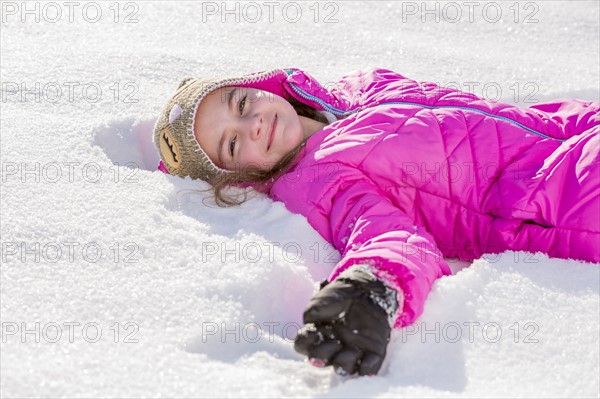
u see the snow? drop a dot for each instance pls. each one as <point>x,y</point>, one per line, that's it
<point>94,238</point>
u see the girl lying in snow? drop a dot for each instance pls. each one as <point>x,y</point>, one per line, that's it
<point>396,175</point>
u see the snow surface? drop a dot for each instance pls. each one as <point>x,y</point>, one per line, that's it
<point>186,286</point>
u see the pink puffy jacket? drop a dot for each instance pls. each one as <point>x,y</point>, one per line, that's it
<point>413,172</point>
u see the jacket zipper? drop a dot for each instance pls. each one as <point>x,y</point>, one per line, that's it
<point>503,118</point>
<point>317,100</point>
<point>336,111</point>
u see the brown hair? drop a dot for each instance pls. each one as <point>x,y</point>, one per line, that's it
<point>253,174</point>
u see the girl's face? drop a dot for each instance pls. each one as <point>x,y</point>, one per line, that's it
<point>238,127</point>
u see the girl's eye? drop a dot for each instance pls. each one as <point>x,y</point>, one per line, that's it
<point>242,103</point>
<point>232,146</point>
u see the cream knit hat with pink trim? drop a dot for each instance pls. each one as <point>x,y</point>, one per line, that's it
<point>173,133</point>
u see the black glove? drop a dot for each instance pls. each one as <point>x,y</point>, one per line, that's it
<point>347,323</point>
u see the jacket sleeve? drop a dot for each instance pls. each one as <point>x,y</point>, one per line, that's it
<point>561,119</point>
<point>573,117</point>
<point>368,229</point>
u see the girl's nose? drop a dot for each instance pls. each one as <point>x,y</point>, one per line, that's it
<point>256,128</point>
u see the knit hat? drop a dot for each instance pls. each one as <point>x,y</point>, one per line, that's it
<point>173,133</point>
